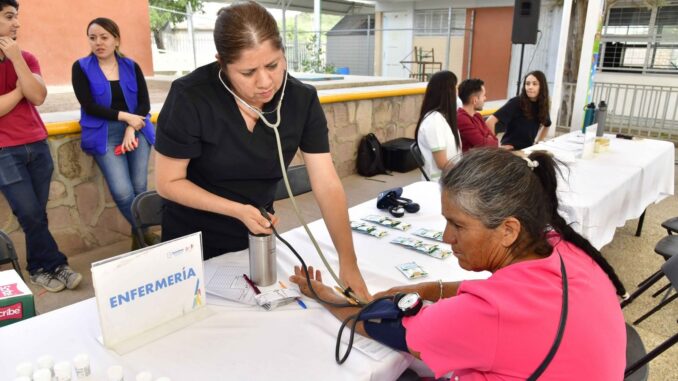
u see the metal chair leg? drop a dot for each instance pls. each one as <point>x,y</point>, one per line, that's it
<point>648,278</point>
<point>661,290</point>
<point>650,356</point>
<point>15,264</point>
<point>639,228</point>
<point>656,308</point>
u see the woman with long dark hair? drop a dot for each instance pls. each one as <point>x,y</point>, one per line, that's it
<point>115,119</point>
<point>526,116</point>
<point>437,133</point>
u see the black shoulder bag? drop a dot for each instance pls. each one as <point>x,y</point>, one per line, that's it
<point>561,327</point>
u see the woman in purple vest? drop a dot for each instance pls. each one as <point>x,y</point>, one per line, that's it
<point>116,126</point>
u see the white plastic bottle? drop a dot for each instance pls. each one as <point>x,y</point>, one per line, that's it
<point>24,369</point>
<point>144,376</point>
<point>82,366</point>
<point>63,371</point>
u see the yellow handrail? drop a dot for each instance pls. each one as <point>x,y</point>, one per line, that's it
<point>73,126</point>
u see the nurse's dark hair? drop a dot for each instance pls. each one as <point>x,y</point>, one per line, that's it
<point>9,3</point>
<point>244,25</point>
<point>109,26</point>
<point>441,96</point>
<point>493,184</point>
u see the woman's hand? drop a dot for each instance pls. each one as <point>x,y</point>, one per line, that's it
<point>135,121</point>
<point>129,140</point>
<point>325,292</point>
<point>254,221</point>
<point>353,279</point>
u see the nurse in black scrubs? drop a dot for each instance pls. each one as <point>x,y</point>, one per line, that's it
<point>526,116</point>
<point>217,159</point>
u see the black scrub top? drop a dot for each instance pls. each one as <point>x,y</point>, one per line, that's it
<point>520,131</point>
<point>200,121</point>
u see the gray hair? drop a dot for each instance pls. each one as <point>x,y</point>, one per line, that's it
<point>492,184</point>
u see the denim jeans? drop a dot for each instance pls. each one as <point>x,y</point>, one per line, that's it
<point>127,174</point>
<point>25,174</point>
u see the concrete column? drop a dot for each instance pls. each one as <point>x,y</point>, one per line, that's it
<point>557,94</point>
<point>594,13</point>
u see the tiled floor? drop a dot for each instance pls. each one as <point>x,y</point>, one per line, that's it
<point>633,258</point>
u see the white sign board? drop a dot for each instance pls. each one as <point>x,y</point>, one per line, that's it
<point>149,293</point>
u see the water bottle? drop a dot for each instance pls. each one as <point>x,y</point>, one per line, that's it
<point>589,116</point>
<point>263,270</point>
<point>601,115</point>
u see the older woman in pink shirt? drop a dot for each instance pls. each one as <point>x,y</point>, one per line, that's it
<point>549,309</point>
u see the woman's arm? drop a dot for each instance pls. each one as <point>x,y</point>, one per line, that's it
<point>172,184</point>
<point>427,290</point>
<point>440,157</point>
<point>541,135</point>
<point>329,193</point>
<point>143,99</point>
<point>491,123</point>
<point>328,294</point>
<point>84,95</point>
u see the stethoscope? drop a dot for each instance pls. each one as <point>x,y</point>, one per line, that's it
<point>255,109</point>
<point>347,291</point>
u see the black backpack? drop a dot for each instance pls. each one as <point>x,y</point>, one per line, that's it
<point>370,160</point>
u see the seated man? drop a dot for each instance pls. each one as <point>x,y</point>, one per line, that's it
<point>472,128</point>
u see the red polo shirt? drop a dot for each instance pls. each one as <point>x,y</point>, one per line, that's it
<point>473,131</point>
<point>23,124</point>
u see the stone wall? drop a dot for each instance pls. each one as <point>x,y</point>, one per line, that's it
<point>83,216</point>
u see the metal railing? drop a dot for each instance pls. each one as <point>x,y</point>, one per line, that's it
<point>646,110</point>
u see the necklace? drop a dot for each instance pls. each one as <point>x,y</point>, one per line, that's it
<point>110,70</point>
<point>256,110</point>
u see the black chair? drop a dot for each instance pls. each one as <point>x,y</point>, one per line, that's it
<point>146,212</point>
<point>416,154</point>
<point>671,225</point>
<point>299,182</point>
<point>667,247</point>
<point>637,358</point>
<point>8,253</point>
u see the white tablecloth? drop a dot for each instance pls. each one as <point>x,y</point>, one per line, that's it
<point>242,342</point>
<point>600,194</point>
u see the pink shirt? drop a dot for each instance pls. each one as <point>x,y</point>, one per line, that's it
<point>503,327</point>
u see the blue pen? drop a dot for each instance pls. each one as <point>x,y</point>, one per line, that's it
<point>299,301</point>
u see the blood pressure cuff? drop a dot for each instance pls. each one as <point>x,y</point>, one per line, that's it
<point>383,322</point>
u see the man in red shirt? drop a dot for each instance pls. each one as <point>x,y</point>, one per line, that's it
<point>472,127</point>
<point>25,161</point>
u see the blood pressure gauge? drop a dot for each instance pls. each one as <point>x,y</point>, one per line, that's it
<point>409,303</point>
